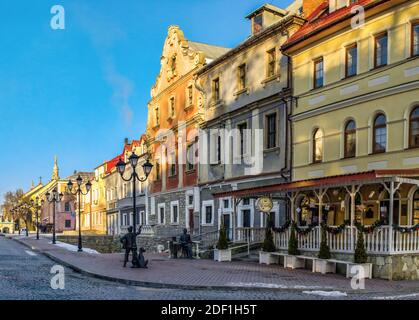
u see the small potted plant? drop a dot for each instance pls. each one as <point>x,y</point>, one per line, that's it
<point>268,246</point>
<point>322,265</point>
<point>291,260</point>
<point>360,259</point>
<point>222,252</point>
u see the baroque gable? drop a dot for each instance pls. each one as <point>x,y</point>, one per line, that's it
<point>177,60</point>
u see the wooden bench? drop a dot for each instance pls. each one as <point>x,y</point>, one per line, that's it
<point>324,266</point>
<point>270,257</point>
<point>349,265</point>
<point>296,262</point>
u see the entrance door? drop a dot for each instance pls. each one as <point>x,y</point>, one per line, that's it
<point>227,226</point>
<point>246,218</point>
<point>270,220</point>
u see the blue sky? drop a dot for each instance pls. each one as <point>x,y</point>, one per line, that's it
<point>77,93</point>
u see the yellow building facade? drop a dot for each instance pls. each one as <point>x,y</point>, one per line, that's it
<point>356,107</point>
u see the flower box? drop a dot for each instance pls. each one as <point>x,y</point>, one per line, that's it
<point>293,262</point>
<point>222,255</point>
<point>324,266</point>
<point>268,258</point>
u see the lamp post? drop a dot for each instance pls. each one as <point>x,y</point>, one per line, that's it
<point>147,167</point>
<point>36,205</point>
<point>54,198</point>
<point>79,192</point>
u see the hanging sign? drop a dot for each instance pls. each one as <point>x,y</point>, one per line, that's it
<point>265,204</point>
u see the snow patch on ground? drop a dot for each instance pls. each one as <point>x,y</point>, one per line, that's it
<point>404,296</point>
<point>271,285</point>
<point>327,293</point>
<point>73,248</point>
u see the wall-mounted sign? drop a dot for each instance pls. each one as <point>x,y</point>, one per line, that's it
<point>265,204</point>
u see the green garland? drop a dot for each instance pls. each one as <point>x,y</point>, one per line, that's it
<point>305,232</point>
<point>405,230</point>
<point>371,228</point>
<point>336,230</point>
<point>283,228</point>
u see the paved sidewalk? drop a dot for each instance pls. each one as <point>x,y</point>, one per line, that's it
<point>205,274</point>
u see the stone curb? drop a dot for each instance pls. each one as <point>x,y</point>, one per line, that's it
<point>157,285</point>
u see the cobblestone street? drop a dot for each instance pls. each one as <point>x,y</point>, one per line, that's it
<point>26,275</point>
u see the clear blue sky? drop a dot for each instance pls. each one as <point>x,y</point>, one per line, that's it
<point>77,93</point>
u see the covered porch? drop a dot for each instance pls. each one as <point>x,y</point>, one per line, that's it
<point>384,203</point>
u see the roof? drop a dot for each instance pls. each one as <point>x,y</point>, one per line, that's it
<point>321,19</point>
<point>84,175</point>
<point>111,164</point>
<point>267,7</point>
<point>330,181</point>
<point>210,51</point>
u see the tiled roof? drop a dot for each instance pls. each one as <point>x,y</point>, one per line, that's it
<point>111,164</point>
<point>210,51</point>
<point>320,19</point>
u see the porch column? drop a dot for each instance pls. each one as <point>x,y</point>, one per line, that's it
<point>390,219</point>
<point>233,217</point>
<point>353,198</point>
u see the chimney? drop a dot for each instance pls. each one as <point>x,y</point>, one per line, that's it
<point>309,6</point>
<point>126,141</point>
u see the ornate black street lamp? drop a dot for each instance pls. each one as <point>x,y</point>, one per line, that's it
<point>36,205</point>
<point>53,198</point>
<point>147,167</point>
<point>79,192</point>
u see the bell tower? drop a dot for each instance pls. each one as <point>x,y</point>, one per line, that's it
<point>55,171</point>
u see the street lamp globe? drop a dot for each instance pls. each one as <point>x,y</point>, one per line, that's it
<point>121,166</point>
<point>88,186</point>
<point>133,159</point>
<point>79,180</point>
<point>70,185</point>
<point>61,196</point>
<point>147,167</point>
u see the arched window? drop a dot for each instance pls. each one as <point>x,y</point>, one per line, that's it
<point>414,128</point>
<point>380,134</point>
<point>317,146</point>
<point>350,139</point>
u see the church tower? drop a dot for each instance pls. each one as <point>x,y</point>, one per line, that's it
<point>55,172</point>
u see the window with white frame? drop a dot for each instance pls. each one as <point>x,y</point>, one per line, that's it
<point>174,212</point>
<point>161,219</point>
<point>208,212</point>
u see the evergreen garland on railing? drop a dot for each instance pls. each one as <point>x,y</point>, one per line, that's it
<point>306,231</point>
<point>371,228</point>
<point>283,228</point>
<point>405,230</point>
<point>337,230</point>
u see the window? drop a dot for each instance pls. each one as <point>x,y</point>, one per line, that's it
<point>190,200</point>
<point>380,134</point>
<point>157,116</point>
<point>414,128</point>
<point>246,219</point>
<point>350,139</point>
<point>226,203</point>
<point>242,131</point>
<point>161,215</point>
<point>219,148</point>
<point>246,201</point>
<point>191,158</point>
<point>216,90</point>
<point>190,95</point>
<point>242,77</point>
<point>175,214</point>
<point>271,131</point>
<point>172,107</point>
<point>380,52</point>
<point>317,146</point>
<point>318,73</point>
<point>351,60</point>
<point>416,208</point>
<point>67,207</point>
<point>271,67</point>
<point>68,224</point>
<point>415,38</point>
<point>257,23</point>
<point>208,215</point>
<point>172,165</point>
<point>158,173</point>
